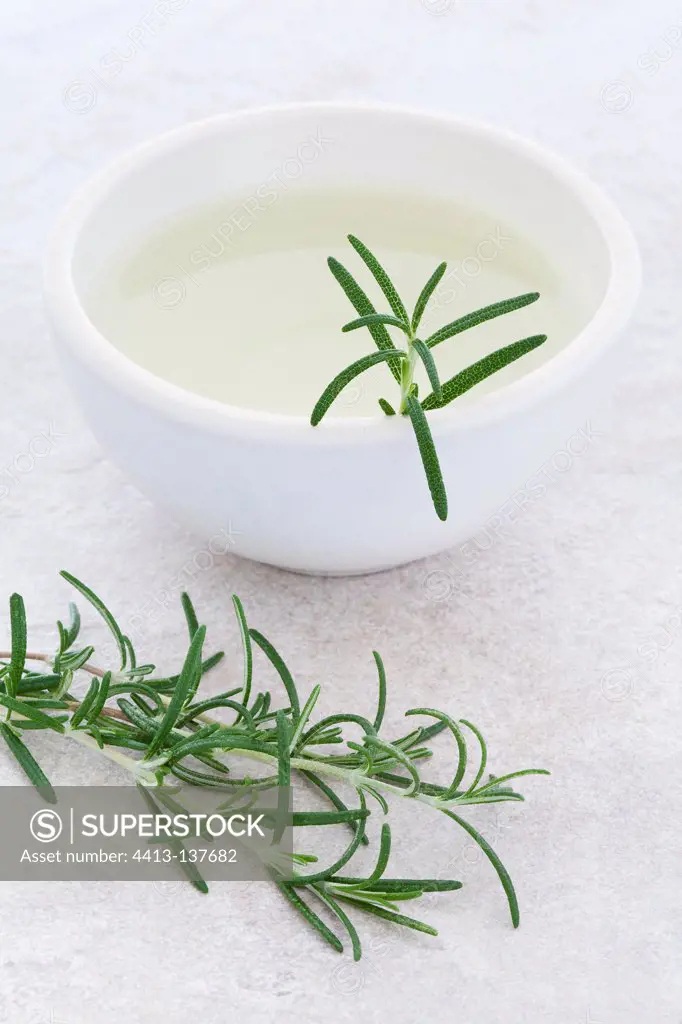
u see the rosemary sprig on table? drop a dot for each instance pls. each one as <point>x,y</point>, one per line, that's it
<point>158,728</point>
<point>402,362</point>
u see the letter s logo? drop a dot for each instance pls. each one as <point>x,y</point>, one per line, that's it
<point>46,826</point>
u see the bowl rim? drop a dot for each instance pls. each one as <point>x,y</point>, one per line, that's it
<point>85,341</point>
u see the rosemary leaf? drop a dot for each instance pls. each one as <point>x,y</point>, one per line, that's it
<point>461,746</point>
<point>319,876</point>
<point>391,885</point>
<point>381,705</point>
<point>430,366</point>
<point>31,684</point>
<point>23,707</point>
<point>45,702</point>
<point>502,872</point>
<point>211,662</point>
<point>474,374</point>
<point>177,847</point>
<point>429,458</point>
<point>203,778</point>
<point>480,316</point>
<point>144,722</point>
<point>283,672</point>
<point>400,757</point>
<point>311,917</point>
<point>382,860</point>
<point>201,741</point>
<point>360,720</point>
<point>102,609</point>
<point>512,775</point>
<point>388,915</point>
<point>68,634</point>
<point>221,701</point>
<point>246,648</point>
<point>375,318</point>
<point>334,389</point>
<point>29,764</point>
<point>484,755</point>
<point>283,774</point>
<point>328,817</point>
<point>135,688</point>
<point>187,683</point>
<point>86,704</point>
<point>190,614</point>
<point>381,277</point>
<point>379,797</point>
<point>323,893</point>
<point>73,629</point>
<point>333,797</point>
<point>426,293</point>
<point>304,716</point>
<point>17,613</point>
<point>27,725</point>
<point>283,746</point>
<point>130,653</point>
<point>75,660</point>
<point>362,305</point>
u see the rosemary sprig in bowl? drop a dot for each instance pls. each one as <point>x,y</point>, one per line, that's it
<point>159,729</point>
<point>402,362</point>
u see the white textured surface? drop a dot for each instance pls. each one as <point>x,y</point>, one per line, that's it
<point>547,638</point>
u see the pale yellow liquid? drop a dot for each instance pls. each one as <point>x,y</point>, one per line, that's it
<point>237,303</point>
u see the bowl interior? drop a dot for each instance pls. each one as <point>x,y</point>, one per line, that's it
<point>224,170</point>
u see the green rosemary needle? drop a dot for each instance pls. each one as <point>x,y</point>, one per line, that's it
<point>159,729</point>
<point>402,362</point>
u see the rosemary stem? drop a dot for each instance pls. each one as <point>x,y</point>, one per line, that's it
<point>407,374</point>
<point>145,773</point>
<point>172,740</point>
<point>37,656</point>
<point>135,768</point>
<point>353,777</point>
<point>30,656</point>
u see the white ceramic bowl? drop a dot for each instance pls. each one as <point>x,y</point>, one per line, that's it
<point>348,496</point>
